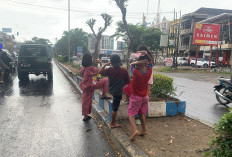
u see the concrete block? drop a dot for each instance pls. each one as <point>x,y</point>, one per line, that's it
<point>96,96</point>
<point>182,107</point>
<point>171,109</point>
<point>101,101</point>
<point>93,96</point>
<point>157,109</point>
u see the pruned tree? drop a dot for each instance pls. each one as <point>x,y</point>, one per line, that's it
<point>122,6</point>
<point>91,22</point>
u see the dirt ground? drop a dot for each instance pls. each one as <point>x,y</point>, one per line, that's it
<point>176,136</point>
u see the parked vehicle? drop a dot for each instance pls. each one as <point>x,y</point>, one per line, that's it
<point>202,63</point>
<point>105,59</point>
<point>9,61</point>
<point>182,61</point>
<point>223,91</point>
<point>34,59</point>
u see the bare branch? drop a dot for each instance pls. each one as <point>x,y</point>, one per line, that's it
<point>91,23</point>
<point>108,20</point>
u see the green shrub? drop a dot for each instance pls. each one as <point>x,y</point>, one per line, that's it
<point>221,145</point>
<point>60,58</point>
<point>162,86</point>
<point>63,59</point>
<point>77,66</point>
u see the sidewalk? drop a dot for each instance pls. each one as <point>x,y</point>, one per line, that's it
<point>167,136</point>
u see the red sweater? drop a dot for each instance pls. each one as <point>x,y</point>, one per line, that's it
<point>139,84</point>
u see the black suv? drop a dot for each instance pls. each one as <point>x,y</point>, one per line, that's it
<point>34,59</point>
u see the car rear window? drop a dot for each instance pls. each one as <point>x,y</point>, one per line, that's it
<point>34,51</point>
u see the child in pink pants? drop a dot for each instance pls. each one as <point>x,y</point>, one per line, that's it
<point>138,90</point>
<point>88,86</point>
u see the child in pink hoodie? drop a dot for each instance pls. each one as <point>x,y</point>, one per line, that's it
<point>87,85</point>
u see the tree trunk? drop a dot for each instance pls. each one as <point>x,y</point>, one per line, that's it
<point>96,51</point>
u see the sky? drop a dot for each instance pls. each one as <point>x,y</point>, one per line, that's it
<point>49,18</point>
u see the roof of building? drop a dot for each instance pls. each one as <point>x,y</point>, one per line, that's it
<point>212,11</point>
<point>217,18</point>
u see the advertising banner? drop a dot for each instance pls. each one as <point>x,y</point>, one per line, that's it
<point>79,49</point>
<point>169,62</point>
<point>206,34</point>
<point>6,30</point>
<point>164,40</point>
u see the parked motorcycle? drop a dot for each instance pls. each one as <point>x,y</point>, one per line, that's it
<point>223,91</point>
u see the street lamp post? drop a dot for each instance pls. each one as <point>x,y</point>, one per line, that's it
<point>69,31</point>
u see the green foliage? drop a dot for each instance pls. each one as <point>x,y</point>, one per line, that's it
<point>36,40</point>
<point>141,35</point>
<point>162,86</point>
<point>63,59</point>
<point>222,144</point>
<point>77,66</point>
<point>77,38</point>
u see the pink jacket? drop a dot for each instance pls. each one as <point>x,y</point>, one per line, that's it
<point>87,74</point>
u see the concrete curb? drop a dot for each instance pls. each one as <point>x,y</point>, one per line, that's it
<point>117,136</point>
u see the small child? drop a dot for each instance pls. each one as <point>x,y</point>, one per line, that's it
<point>151,62</point>
<point>118,77</point>
<point>139,94</point>
<point>87,85</point>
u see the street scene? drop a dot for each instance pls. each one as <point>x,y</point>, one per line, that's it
<point>196,89</point>
<point>119,78</point>
<point>41,118</point>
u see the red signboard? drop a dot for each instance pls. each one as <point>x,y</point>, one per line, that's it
<point>169,62</point>
<point>206,34</point>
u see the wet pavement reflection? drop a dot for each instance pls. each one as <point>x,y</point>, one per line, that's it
<point>43,118</point>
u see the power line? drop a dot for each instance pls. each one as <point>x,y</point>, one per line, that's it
<point>79,10</point>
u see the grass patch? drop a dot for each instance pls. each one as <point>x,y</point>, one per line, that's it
<point>189,70</point>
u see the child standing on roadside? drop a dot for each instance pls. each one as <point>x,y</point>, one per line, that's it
<point>87,85</point>
<point>139,94</point>
<point>151,62</point>
<point>118,77</point>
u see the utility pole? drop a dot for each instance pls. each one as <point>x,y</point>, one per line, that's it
<point>178,38</point>
<point>69,31</point>
<point>147,8</point>
<point>174,34</point>
<point>158,14</point>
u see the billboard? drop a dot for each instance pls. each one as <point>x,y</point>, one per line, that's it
<point>79,49</point>
<point>164,40</point>
<point>206,34</point>
<point>6,30</point>
<point>169,62</point>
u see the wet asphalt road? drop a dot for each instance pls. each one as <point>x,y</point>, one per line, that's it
<point>198,92</point>
<point>40,118</point>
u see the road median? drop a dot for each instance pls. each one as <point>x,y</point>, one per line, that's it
<point>178,135</point>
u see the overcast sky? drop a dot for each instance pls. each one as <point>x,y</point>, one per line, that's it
<point>49,18</point>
